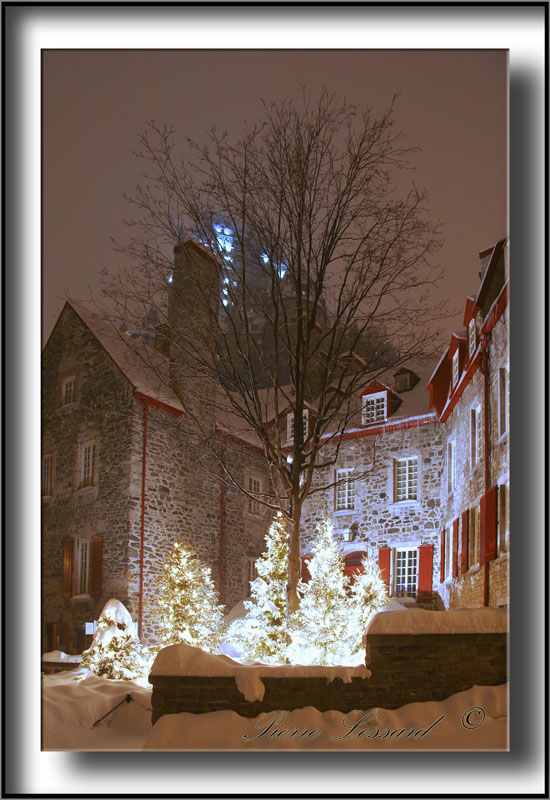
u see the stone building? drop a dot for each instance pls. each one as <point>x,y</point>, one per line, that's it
<point>120,484</point>
<point>422,483</point>
<point>420,476</point>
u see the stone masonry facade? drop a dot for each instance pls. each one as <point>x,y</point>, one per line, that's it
<point>105,437</point>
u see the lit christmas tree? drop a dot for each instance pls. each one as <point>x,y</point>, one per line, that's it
<point>189,610</point>
<point>367,596</point>
<point>115,652</point>
<point>262,633</point>
<point>320,627</point>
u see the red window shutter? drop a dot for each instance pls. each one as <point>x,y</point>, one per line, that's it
<point>384,554</point>
<point>442,557</point>
<point>67,567</point>
<point>306,577</point>
<point>455,548</point>
<point>488,526</point>
<point>464,542</point>
<point>97,565</point>
<point>425,571</point>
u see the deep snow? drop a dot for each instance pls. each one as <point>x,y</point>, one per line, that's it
<point>72,704</point>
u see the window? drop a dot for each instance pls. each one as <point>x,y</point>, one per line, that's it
<point>254,486</point>
<point>290,424</point>
<point>502,401</point>
<point>87,464</point>
<point>503,517</point>
<point>68,390</point>
<point>476,442</point>
<point>47,475</point>
<point>252,572</point>
<point>473,538</point>
<point>374,408</point>
<point>406,479</point>
<point>448,551</point>
<point>345,495</point>
<point>451,465</point>
<point>406,572</point>
<point>471,337</point>
<point>454,379</point>
<point>84,552</point>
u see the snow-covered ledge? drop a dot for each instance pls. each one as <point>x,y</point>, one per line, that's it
<point>182,659</point>
<point>419,621</point>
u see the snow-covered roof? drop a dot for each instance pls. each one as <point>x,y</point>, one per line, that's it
<point>145,368</point>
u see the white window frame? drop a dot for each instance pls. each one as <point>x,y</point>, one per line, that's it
<point>451,464</point>
<point>47,482</point>
<point>474,523</point>
<point>503,389</point>
<point>290,424</point>
<point>86,475</point>
<point>344,492</point>
<point>472,337</point>
<point>254,486</point>
<point>84,568</point>
<point>69,380</point>
<point>503,511</point>
<point>410,466</point>
<point>411,555</point>
<point>372,417</point>
<point>476,435</point>
<point>454,370</point>
<point>448,567</point>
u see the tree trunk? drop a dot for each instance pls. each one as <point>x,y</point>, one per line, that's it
<point>293,561</point>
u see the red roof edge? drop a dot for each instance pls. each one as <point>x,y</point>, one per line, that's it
<point>496,309</point>
<point>486,282</point>
<point>458,392</point>
<point>158,403</point>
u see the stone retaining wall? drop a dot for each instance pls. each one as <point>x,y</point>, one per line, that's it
<point>405,668</point>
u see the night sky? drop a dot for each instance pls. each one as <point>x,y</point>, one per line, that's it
<point>452,104</point>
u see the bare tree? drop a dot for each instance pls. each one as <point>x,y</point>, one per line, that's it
<point>300,274</point>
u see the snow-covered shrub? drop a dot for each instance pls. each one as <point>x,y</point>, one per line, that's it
<point>188,604</point>
<point>328,627</point>
<point>262,633</point>
<point>115,651</point>
<point>319,628</point>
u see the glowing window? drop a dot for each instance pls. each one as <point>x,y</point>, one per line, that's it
<point>455,369</point>
<point>406,479</point>
<point>84,549</point>
<point>451,465</point>
<point>47,475</point>
<point>345,494</point>
<point>406,572</point>
<point>290,424</point>
<point>68,390</point>
<point>254,487</point>
<point>476,441</point>
<point>87,464</point>
<point>374,408</point>
<point>471,337</point>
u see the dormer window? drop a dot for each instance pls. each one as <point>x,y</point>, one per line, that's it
<point>290,424</point>
<point>471,337</point>
<point>374,408</point>
<point>454,378</point>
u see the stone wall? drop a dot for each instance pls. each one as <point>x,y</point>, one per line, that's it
<point>381,522</point>
<point>405,668</point>
<point>103,409</point>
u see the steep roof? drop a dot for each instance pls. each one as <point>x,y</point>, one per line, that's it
<point>145,368</point>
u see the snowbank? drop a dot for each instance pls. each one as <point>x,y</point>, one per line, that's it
<point>182,659</point>
<point>472,720</point>
<point>58,656</point>
<point>418,620</point>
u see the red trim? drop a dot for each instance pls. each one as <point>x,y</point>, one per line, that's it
<point>142,532</point>
<point>461,387</point>
<point>469,311</point>
<point>425,571</point>
<point>464,542</point>
<point>455,549</point>
<point>491,266</point>
<point>222,487</point>
<point>306,577</point>
<point>158,403</point>
<point>232,438</point>
<point>496,310</point>
<point>392,426</point>
<point>442,556</point>
<point>374,387</point>
<point>384,554</point>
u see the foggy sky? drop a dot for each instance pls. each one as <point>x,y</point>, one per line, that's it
<point>452,104</point>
